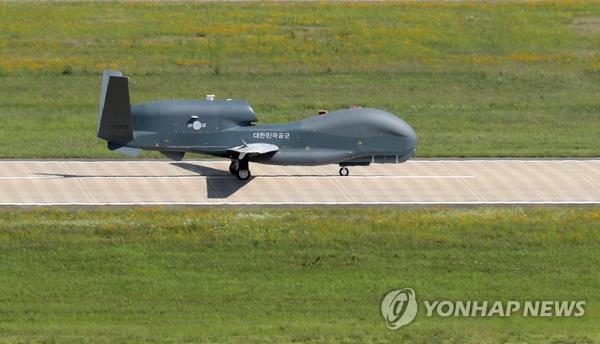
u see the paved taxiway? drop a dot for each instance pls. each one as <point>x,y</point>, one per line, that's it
<point>205,182</point>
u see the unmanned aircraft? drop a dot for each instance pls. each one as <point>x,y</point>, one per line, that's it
<point>226,128</point>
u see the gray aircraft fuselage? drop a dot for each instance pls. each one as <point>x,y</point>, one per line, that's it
<point>347,137</point>
<point>226,128</point>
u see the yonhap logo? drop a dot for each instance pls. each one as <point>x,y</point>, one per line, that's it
<point>399,308</point>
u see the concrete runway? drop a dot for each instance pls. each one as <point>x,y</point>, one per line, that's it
<point>418,182</point>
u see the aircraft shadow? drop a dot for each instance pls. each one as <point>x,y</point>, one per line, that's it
<point>216,185</point>
<point>219,183</point>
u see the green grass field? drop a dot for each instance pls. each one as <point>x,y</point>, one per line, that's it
<point>283,275</point>
<point>474,79</point>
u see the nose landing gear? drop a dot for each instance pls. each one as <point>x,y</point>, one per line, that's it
<point>344,171</point>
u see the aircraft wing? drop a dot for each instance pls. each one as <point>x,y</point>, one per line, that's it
<point>253,149</point>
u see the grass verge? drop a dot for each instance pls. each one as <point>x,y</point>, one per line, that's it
<point>281,275</point>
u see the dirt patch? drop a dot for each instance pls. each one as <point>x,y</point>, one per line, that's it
<point>587,25</point>
<point>173,39</point>
<point>302,31</point>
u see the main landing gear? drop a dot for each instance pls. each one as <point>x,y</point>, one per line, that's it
<point>240,169</point>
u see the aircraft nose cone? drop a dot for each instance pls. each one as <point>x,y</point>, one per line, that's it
<point>411,138</point>
<point>402,129</point>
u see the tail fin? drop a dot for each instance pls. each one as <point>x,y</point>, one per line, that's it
<point>114,114</point>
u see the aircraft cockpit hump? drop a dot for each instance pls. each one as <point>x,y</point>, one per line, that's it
<point>238,112</point>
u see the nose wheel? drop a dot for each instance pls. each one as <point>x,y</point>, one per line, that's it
<point>344,171</point>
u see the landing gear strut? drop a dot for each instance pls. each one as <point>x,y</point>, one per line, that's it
<point>233,167</point>
<point>344,171</point>
<point>240,169</point>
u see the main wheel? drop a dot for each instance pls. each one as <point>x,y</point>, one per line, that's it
<point>344,172</point>
<point>243,174</point>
